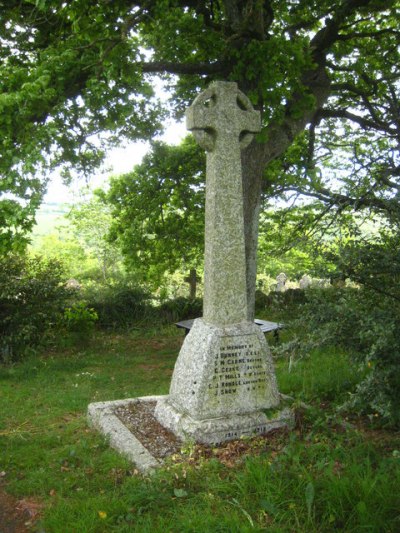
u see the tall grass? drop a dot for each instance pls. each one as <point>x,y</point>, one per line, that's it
<point>323,375</point>
<point>330,474</point>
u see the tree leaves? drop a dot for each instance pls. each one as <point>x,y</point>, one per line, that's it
<point>158,211</point>
<point>71,70</point>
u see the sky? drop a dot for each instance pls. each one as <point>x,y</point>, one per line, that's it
<point>118,161</point>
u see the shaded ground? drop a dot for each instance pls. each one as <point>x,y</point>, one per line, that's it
<point>17,516</point>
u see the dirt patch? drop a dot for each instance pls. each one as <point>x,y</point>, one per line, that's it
<point>385,440</point>
<point>17,516</point>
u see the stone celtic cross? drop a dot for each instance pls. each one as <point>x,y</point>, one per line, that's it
<point>223,122</point>
<point>223,386</point>
<point>224,377</point>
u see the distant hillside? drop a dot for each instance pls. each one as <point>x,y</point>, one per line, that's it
<point>48,217</point>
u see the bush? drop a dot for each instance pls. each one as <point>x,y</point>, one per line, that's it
<point>80,321</point>
<point>120,306</point>
<point>365,323</point>
<point>277,302</point>
<point>125,305</point>
<point>180,309</point>
<point>32,297</point>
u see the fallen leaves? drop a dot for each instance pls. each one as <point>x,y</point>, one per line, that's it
<point>233,452</point>
<point>31,507</point>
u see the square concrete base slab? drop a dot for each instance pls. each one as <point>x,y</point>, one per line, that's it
<point>101,416</point>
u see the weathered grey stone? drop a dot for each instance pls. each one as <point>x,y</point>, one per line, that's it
<point>218,430</point>
<point>305,281</point>
<point>224,376</point>
<point>223,379</point>
<point>223,371</point>
<point>224,385</point>
<point>223,121</point>
<point>281,280</point>
<point>101,416</point>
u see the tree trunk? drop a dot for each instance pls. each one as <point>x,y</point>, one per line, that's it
<point>252,175</point>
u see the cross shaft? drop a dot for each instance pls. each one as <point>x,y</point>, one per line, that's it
<point>223,122</point>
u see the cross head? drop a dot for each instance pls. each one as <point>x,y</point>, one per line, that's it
<point>222,116</point>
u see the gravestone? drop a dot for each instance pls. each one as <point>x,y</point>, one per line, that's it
<point>192,279</point>
<point>281,280</point>
<point>224,378</point>
<point>305,281</point>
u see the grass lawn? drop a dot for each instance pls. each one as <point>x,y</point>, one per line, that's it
<point>332,473</point>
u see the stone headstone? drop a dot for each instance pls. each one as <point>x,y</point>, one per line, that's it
<point>192,279</point>
<point>73,284</point>
<point>305,281</point>
<point>281,280</point>
<point>224,376</point>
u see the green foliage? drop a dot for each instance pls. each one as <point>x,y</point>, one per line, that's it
<point>79,242</point>
<point>285,302</point>
<point>16,220</point>
<point>126,305</point>
<point>366,324</point>
<point>90,223</point>
<point>158,211</point>
<point>180,309</point>
<point>372,260</point>
<point>290,240</point>
<point>58,61</point>
<point>276,63</point>
<point>324,476</point>
<point>120,305</point>
<point>72,70</point>
<point>62,246</point>
<point>32,296</point>
<point>80,320</point>
<point>326,373</point>
<point>365,320</point>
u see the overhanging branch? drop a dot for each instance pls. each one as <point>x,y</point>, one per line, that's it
<point>341,200</point>
<point>281,133</point>
<point>361,121</point>
<point>219,67</point>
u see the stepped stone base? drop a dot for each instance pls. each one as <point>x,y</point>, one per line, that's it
<point>218,430</point>
<point>223,386</point>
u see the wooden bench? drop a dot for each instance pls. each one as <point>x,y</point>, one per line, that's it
<point>265,325</point>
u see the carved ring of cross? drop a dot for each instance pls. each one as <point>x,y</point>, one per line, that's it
<point>208,99</point>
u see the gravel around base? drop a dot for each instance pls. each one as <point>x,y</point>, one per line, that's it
<point>139,419</point>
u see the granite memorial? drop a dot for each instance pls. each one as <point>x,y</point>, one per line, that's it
<point>223,386</point>
<point>224,381</point>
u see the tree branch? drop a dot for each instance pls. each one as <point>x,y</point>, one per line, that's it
<point>367,35</point>
<point>361,121</point>
<point>219,67</point>
<point>342,200</point>
<point>281,133</point>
